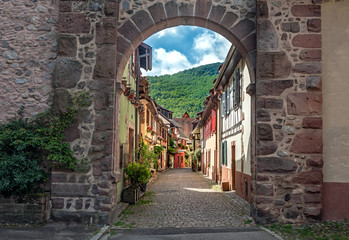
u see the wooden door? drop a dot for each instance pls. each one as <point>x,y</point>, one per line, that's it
<point>233,167</point>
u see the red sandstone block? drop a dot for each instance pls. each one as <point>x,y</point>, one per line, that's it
<point>312,177</point>
<point>110,9</point>
<point>312,211</point>
<point>314,25</point>
<point>310,55</point>
<point>312,198</point>
<point>216,14</point>
<point>308,68</point>
<point>312,122</point>
<point>105,63</point>
<point>229,19</point>
<point>106,31</point>
<point>73,23</point>
<point>315,162</point>
<point>306,10</point>
<point>265,189</point>
<point>202,8</point>
<point>250,43</point>
<point>171,9</point>
<point>65,6</point>
<point>244,28</point>
<point>157,12</point>
<point>273,65</point>
<point>307,40</point>
<point>129,30</point>
<point>185,9</point>
<point>308,141</point>
<point>304,103</point>
<point>142,20</point>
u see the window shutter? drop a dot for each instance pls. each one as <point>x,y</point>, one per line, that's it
<point>239,85</point>
<point>213,120</point>
<point>225,153</point>
<point>221,155</point>
<point>223,104</point>
<point>228,100</point>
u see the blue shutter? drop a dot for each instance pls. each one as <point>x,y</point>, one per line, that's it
<point>225,153</point>
<point>223,104</point>
<point>228,100</point>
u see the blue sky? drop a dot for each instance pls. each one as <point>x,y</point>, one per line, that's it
<point>179,48</point>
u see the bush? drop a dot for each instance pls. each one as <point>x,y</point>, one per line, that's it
<point>137,173</point>
<point>26,144</point>
<point>21,168</point>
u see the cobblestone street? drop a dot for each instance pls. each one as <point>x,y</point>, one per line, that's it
<point>181,198</point>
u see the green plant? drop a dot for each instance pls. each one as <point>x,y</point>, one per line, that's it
<point>146,155</point>
<point>172,147</point>
<point>27,144</point>
<point>158,149</point>
<point>137,173</point>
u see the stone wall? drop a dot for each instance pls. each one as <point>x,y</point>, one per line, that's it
<point>86,62</point>
<point>93,46</point>
<point>28,49</point>
<point>288,184</point>
<point>34,208</point>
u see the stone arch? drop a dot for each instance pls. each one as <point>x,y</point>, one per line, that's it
<point>95,40</point>
<point>221,18</point>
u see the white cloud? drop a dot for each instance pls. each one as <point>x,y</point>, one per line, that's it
<point>210,47</point>
<point>168,31</point>
<point>207,47</point>
<point>168,62</point>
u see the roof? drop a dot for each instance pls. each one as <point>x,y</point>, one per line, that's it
<point>186,124</point>
<point>174,123</point>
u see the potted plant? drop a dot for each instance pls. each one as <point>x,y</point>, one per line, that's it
<point>138,174</point>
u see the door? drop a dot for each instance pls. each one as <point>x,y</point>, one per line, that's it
<point>233,167</point>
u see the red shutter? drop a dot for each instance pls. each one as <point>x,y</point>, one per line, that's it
<point>213,129</point>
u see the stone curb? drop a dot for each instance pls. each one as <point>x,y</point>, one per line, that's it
<point>101,232</point>
<point>271,232</point>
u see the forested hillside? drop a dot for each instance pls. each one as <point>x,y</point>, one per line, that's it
<point>184,91</point>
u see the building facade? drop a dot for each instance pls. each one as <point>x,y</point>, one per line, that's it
<point>235,119</point>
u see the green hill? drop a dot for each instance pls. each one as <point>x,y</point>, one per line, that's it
<point>184,91</point>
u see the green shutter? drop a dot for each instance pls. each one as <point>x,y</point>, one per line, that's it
<point>228,100</point>
<point>221,153</point>
<point>225,153</point>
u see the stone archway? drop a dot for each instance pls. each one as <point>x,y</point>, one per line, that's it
<point>95,40</point>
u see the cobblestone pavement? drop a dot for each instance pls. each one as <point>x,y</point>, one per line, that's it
<point>180,198</point>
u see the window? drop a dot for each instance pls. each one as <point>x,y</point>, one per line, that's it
<point>148,117</point>
<point>223,104</point>
<point>237,88</point>
<point>224,156</point>
<point>145,56</point>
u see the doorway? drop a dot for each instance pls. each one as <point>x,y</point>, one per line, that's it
<point>233,167</point>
